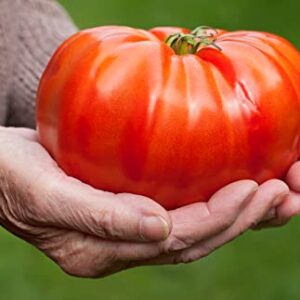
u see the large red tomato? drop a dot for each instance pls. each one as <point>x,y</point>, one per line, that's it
<point>126,110</point>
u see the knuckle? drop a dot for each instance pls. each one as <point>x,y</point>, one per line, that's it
<point>222,221</point>
<point>97,223</point>
<point>225,223</point>
<point>278,184</point>
<point>104,223</point>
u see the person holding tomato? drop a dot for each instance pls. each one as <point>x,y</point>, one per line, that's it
<point>89,232</point>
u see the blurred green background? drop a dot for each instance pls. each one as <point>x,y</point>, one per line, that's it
<point>259,265</point>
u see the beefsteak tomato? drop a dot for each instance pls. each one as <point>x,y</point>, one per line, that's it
<point>171,114</point>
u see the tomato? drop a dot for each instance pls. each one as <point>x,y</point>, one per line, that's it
<point>171,116</point>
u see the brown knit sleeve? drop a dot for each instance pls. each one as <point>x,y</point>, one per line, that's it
<point>41,26</point>
<point>7,48</point>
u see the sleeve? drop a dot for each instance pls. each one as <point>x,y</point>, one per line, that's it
<point>42,25</point>
<point>7,48</point>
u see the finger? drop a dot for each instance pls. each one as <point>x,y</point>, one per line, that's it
<point>199,221</point>
<point>290,207</point>
<point>20,131</point>
<point>68,203</point>
<point>293,177</point>
<point>271,214</point>
<point>270,194</point>
<point>285,212</point>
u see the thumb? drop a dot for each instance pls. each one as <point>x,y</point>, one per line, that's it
<point>71,204</point>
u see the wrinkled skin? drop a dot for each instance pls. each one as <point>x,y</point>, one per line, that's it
<point>119,110</point>
<point>91,233</point>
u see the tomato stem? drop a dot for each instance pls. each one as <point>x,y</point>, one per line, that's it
<point>191,43</point>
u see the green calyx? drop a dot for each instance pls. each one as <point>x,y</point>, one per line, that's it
<point>191,43</point>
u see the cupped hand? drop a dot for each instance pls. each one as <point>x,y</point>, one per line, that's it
<point>92,233</point>
<point>72,223</point>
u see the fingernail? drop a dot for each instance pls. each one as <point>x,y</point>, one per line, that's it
<point>154,229</point>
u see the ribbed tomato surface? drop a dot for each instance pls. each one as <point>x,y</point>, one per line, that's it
<point>120,110</point>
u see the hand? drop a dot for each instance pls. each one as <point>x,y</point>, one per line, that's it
<point>91,233</point>
<point>290,207</point>
<point>201,228</point>
<point>80,228</point>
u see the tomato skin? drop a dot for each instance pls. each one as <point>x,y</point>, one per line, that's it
<point>119,110</point>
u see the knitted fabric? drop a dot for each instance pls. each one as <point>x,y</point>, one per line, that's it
<point>30,31</point>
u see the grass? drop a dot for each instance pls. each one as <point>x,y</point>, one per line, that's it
<point>259,265</point>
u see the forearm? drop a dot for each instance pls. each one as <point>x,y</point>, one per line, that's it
<point>38,28</point>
